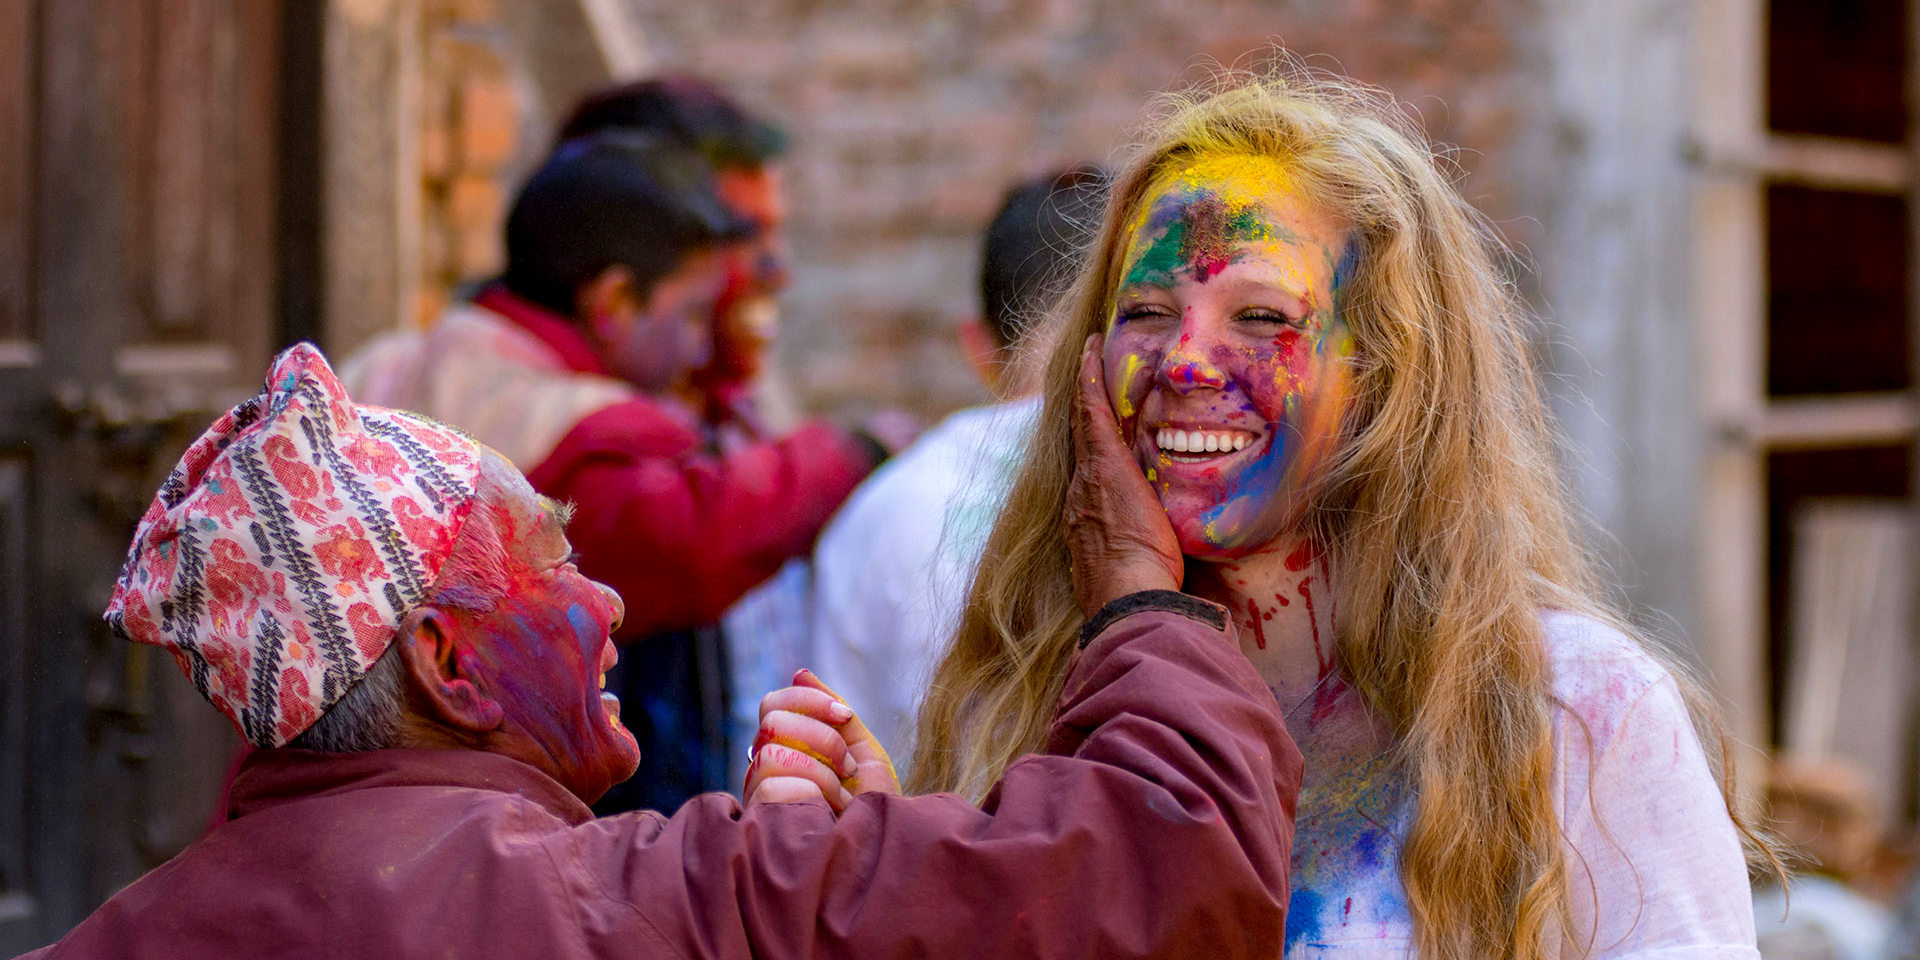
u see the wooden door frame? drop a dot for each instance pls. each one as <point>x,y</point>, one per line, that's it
<point>137,321</point>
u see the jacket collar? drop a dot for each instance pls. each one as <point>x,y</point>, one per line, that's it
<point>558,332</point>
<point>271,778</point>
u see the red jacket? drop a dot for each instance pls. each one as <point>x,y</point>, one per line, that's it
<point>1160,824</point>
<point>683,533</point>
<point>678,530</point>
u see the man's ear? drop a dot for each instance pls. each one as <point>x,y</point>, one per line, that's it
<point>438,655</point>
<point>612,295</point>
<point>982,351</point>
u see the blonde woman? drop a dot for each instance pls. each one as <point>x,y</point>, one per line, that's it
<point>1320,369</point>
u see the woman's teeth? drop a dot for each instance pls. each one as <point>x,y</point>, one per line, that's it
<point>1202,441</point>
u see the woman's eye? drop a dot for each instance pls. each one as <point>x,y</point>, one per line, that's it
<point>1271,318</point>
<point>1144,312</point>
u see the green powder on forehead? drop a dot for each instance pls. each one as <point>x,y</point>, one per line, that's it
<point>1156,264</point>
<point>1202,240</point>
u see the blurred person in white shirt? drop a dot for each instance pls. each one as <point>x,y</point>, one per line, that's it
<point>884,587</point>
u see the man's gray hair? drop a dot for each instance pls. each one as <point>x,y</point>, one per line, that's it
<point>368,717</point>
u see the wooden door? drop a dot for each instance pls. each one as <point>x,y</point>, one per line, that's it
<point>137,262</point>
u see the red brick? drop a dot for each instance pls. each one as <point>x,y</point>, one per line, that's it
<point>474,202</point>
<point>489,117</point>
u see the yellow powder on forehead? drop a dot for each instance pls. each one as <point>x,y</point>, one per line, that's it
<point>1239,179</point>
<point>1236,177</point>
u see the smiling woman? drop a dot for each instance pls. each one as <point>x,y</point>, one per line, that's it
<point>1230,300</point>
<point>1321,369</point>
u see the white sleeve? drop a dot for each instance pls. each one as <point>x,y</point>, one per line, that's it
<point>1655,868</point>
<point>880,609</point>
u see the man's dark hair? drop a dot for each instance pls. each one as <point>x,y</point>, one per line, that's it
<point>1034,244</point>
<point>614,197</point>
<point>687,109</point>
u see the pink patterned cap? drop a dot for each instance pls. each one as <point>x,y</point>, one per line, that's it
<point>283,551</point>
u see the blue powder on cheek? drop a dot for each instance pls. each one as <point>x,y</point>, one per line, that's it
<point>1303,917</point>
<point>1260,487</point>
<point>588,632</point>
<point>585,628</point>
<point>530,635</point>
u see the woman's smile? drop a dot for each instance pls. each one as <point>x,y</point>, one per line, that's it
<point>1200,444</point>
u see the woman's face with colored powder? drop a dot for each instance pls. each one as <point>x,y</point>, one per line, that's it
<point>1227,360</point>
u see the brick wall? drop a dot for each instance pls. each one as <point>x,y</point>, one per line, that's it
<point>910,117</point>
<point>480,128</point>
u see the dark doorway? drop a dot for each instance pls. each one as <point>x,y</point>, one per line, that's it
<point>139,257</point>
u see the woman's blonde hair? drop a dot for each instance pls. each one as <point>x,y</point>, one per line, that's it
<point>1443,514</point>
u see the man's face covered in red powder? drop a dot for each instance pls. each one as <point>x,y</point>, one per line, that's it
<point>543,650</point>
<point>746,319</point>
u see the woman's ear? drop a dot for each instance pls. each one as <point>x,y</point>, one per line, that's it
<point>437,650</point>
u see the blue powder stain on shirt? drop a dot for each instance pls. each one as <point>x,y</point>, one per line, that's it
<point>1370,846</point>
<point>1303,917</point>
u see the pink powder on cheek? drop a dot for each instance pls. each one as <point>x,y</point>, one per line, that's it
<point>541,658</point>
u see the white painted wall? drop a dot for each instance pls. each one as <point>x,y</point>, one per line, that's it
<point>1615,274</point>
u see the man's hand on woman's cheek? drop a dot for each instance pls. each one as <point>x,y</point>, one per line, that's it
<point>1117,532</point>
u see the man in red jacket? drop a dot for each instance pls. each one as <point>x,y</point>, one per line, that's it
<point>567,364</point>
<point>574,365</point>
<point>391,614</point>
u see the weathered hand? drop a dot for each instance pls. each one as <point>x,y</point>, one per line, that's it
<point>784,775</point>
<point>1117,532</point>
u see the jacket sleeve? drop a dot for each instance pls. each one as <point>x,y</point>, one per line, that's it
<point>1160,824</point>
<point>681,533</point>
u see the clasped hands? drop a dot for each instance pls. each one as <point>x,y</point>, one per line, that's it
<point>812,746</point>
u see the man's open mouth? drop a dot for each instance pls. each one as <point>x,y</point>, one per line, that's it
<point>608,702</point>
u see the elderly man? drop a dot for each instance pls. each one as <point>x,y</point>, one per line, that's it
<point>392,614</point>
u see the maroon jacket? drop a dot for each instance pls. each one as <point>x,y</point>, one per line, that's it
<point>1160,824</point>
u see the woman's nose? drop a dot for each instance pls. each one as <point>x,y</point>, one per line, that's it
<point>1186,370</point>
<point>615,606</point>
